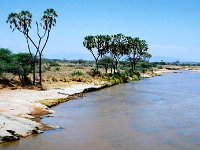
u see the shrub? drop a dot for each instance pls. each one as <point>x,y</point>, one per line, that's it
<point>57,69</point>
<point>53,64</point>
<point>77,73</point>
<point>94,72</point>
<point>55,79</point>
<point>119,78</point>
<point>21,66</point>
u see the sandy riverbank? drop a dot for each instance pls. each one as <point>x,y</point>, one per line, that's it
<point>158,72</point>
<point>20,109</point>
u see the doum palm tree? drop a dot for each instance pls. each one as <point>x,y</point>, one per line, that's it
<point>22,22</point>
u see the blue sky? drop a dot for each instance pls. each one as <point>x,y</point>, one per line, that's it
<point>171,27</point>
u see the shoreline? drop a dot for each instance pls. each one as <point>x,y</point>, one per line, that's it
<point>21,111</point>
<point>16,123</point>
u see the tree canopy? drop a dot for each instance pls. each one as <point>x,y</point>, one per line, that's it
<point>117,46</point>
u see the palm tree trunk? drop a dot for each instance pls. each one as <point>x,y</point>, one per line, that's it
<point>116,64</point>
<point>40,68</point>
<point>106,69</point>
<point>134,66</point>
<point>33,72</point>
<point>97,67</point>
<point>114,68</point>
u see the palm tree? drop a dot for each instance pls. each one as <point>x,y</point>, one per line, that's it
<point>117,48</point>
<point>100,43</point>
<point>90,43</point>
<point>13,21</point>
<point>48,21</point>
<point>25,19</point>
<point>137,49</point>
<point>22,22</point>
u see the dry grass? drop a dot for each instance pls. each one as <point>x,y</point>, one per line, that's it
<point>63,75</point>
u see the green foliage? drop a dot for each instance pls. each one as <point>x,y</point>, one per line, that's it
<point>160,67</point>
<point>77,73</point>
<point>21,66</point>
<point>17,64</point>
<point>117,78</point>
<point>5,59</point>
<point>117,46</point>
<point>81,61</point>
<point>106,62</point>
<point>176,63</point>
<point>53,64</point>
<point>94,72</point>
<point>143,66</point>
<point>97,45</point>
<point>5,54</point>
<point>57,69</point>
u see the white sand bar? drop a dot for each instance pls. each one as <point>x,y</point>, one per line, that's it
<point>17,105</point>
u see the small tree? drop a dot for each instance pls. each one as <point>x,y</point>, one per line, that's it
<point>21,66</point>
<point>89,43</point>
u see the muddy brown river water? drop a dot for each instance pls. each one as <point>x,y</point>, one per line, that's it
<point>160,113</point>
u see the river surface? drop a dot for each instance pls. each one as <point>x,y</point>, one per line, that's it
<point>160,113</point>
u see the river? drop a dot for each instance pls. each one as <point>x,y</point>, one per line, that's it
<point>160,113</point>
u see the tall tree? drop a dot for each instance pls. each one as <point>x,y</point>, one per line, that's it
<point>137,50</point>
<point>97,46</point>
<point>47,22</point>
<point>89,43</point>
<point>117,48</point>
<point>22,22</point>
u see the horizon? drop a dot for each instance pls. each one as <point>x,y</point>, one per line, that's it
<point>170,28</point>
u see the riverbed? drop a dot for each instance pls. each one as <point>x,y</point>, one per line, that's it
<point>160,113</point>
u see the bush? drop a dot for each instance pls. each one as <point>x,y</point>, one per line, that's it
<point>57,69</point>
<point>143,70</point>
<point>142,66</point>
<point>53,64</point>
<point>5,82</point>
<point>21,66</point>
<point>94,72</point>
<point>119,78</point>
<point>77,73</point>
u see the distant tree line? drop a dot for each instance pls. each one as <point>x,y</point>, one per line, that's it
<point>113,48</point>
